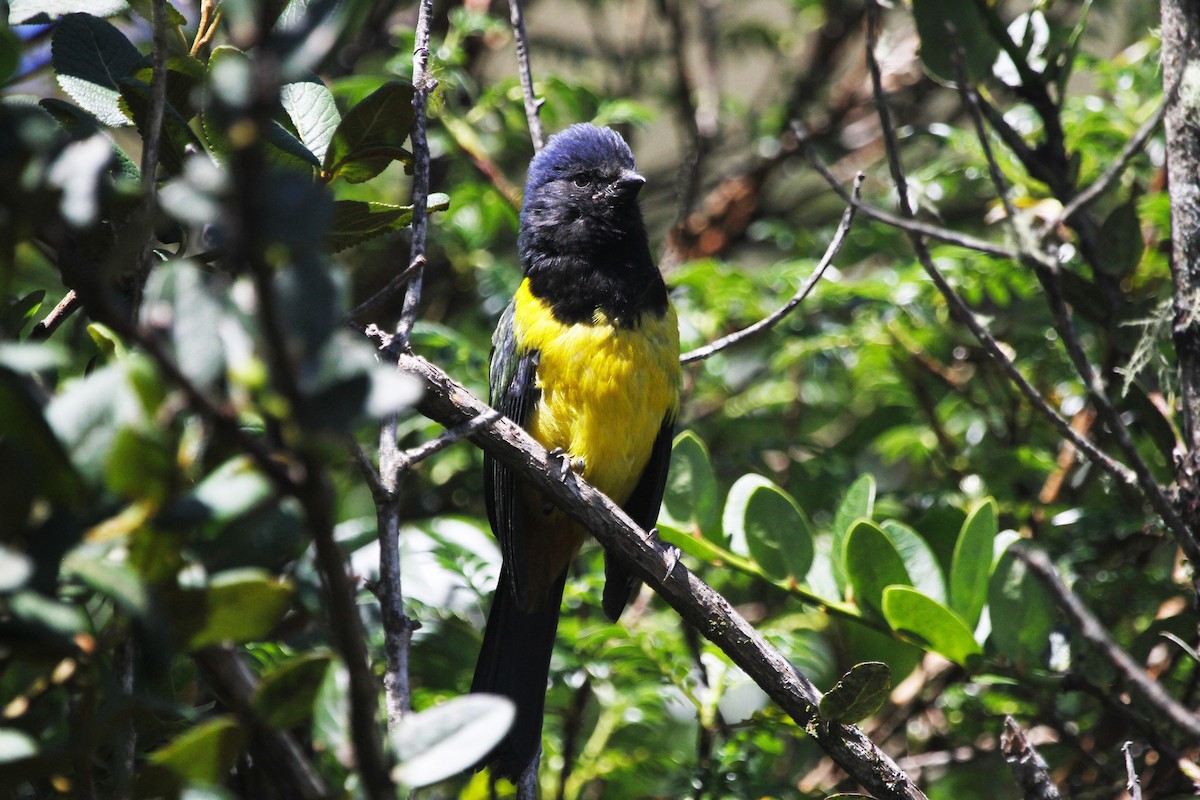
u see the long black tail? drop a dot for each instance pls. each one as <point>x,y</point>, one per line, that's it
<point>515,662</point>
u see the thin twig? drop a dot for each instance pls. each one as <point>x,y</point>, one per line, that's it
<point>65,308</point>
<point>971,100</point>
<point>957,305</point>
<point>1094,633</point>
<point>911,226</point>
<point>423,84</point>
<point>394,285</point>
<point>1116,169</point>
<point>397,626</point>
<point>1133,785</point>
<point>1049,272</point>
<point>207,26</point>
<point>276,751</point>
<point>770,321</point>
<point>1027,765</point>
<point>516,16</point>
<point>414,455</point>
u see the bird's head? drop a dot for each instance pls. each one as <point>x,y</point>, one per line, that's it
<point>581,193</point>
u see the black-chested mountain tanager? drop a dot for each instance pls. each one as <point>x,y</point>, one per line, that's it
<point>585,358</point>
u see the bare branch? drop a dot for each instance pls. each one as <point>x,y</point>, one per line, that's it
<point>1117,168</point>
<point>769,322</point>
<point>413,456</point>
<point>452,405</point>
<point>911,226</point>
<point>957,305</point>
<point>423,84</point>
<point>1027,765</point>
<point>1094,633</point>
<point>277,751</point>
<point>65,308</point>
<point>1133,785</point>
<point>516,16</point>
<point>1048,272</point>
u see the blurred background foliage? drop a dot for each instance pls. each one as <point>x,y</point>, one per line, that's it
<point>871,418</point>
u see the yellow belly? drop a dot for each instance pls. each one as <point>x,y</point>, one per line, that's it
<point>605,391</point>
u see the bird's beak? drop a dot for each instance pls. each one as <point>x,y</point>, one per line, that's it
<point>626,187</point>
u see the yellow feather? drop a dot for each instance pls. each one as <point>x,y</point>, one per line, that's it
<point>605,391</point>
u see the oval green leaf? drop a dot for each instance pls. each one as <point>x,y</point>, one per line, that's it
<point>765,523</point>
<point>919,561</point>
<point>1021,612</point>
<point>932,624</point>
<point>859,694</point>
<point>436,743</point>
<point>872,564</point>
<point>971,34</point>
<point>372,134</point>
<point>90,58</point>
<point>972,562</point>
<point>690,498</point>
<point>857,503</point>
<point>286,695</point>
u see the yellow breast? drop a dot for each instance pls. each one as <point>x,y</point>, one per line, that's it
<point>604,390</point>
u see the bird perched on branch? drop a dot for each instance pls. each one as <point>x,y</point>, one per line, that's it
<point>585,358</point>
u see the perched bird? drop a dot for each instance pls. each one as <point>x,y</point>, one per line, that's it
<point>585,358</point>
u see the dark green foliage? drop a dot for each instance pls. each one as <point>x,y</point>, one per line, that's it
<point>851,480</point>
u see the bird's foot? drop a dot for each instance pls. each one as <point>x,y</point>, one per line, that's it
<point>566,464</point>
<point>670,552</point>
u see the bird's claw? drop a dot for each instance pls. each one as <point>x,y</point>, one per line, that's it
<point>566,464</point>
<point>671,553</point>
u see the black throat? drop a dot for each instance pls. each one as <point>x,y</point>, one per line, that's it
<point>575,287</point>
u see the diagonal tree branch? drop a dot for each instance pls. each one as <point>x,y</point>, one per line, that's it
<point>450,404</point>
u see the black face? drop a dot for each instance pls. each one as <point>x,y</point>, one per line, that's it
<point>582,192</point>
<point>582,240</point>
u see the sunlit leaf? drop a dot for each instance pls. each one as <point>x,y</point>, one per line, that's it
<point>436,743</point>
<point>932,624</point>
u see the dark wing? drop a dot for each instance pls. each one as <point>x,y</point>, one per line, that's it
<point>619,583</point>
<point>514,392</point>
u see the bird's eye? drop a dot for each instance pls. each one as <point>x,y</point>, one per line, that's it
<point>581,182</point>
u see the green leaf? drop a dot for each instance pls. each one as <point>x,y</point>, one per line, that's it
<point>233,489</point>
<point>930,623</point>
<point>1121,244</point>
<point>10,54</point>
<point>19,312</point>
<point>358,221</point>
<point>313,111</point>
<point>938,46</point>
<point>90,565</point>
<point>230,72</point>
<point>690,498</point>
<point>242,605</point>
<point>286,695</point>
<point>919,561</point>
<point>47,467</point>
<point>857,503</point>
<point>90,58</point>
<point>372,134</point>
<point>42,12</point>
<point>765,523</point>
<point>145,9</point>
<point>203,755</point>
<point>860,693</point>
<point>872,564</point>
<point>1021,612</point>
<point>972,562</point>
<point>15,569</point>
<point>436,743</point>
<point>81,124</point>
<point>141,465</point>
<point>16,745</point>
